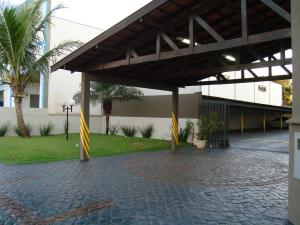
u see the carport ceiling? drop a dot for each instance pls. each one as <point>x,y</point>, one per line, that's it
<point>176,43</point>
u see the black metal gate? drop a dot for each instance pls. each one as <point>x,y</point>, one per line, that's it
<point>219,138</point>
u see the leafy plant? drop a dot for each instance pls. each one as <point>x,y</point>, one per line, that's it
<point>185,132</point>
<point>147,131</point>
<point>28,127</point>
<point>106,94</point>
<point>128,131</point>
<point>45,129</point>
<point>21,59</point>
<point>113,129</point>
<point>3,128</point>
<point>208,125</point>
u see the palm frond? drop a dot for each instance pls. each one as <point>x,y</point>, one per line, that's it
<point>100,92</point>
<point>46,21</point>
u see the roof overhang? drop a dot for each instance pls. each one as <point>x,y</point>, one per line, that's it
<point>176,43</point>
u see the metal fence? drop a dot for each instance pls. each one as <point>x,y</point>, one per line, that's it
<point>219,138</point>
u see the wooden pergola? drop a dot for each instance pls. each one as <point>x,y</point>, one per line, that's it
<point>177,43</point>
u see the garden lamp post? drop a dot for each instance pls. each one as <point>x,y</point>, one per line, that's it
<point>67,108</point>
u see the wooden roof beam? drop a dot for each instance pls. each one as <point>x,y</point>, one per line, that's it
<point>245,80</point>
<point>113,79</point>
<point>208,28</point>
<point>278,9</point>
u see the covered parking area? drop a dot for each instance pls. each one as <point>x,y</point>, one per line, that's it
<point>170,44</point>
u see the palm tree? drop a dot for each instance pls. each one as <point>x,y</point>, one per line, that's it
<point>22,60</point>
<point>108,93</point>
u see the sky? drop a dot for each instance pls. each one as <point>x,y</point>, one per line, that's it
<point>101,14</point>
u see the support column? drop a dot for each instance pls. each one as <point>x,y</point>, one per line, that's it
<point>294,177</point>
<point>281,123</point>
<point>175,100</point>
<point>84,118</point>
<point>242,121</point>
<point>264,121</point>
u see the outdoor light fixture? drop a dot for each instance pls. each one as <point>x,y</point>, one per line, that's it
<point>66,107</point>
<point>230,58</point>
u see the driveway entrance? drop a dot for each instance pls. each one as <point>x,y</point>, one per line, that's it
<point>275,141</point>
<point>240,185</point>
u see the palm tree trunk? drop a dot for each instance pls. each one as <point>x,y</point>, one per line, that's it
<point>107,107</point>
<point>20,119</point>
<point>107,123</point>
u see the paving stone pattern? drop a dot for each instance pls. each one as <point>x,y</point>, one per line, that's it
<point>210,187</point>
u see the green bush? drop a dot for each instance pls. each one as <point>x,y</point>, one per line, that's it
<point>45,129</point>
<point>184,134</point>
<point>128,131</point>
<point>208,125</point>
<point>3,128</point>
<point>113,129</point>
<point>18,132</point>
<point>147,131</point>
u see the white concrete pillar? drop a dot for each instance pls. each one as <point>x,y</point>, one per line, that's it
<point>294,179</point>
<point>44,80</point>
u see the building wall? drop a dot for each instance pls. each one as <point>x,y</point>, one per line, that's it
<point>156,110</point>
<point>9,100</point>
<point>64,84</point>
<point>6,95</point>
<point>36,117</point>
<point>162,126</point>
<point>248,92</point>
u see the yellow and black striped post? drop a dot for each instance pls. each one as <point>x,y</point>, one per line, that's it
<point>84,137</point>
<point>175,128</point>
<point>84,118</point>
<point>175,100</point>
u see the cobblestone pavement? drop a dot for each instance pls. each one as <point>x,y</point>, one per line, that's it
<point>276,141</point>
<point>209,187</point>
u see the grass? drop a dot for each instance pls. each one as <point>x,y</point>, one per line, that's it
<point>16,150</point>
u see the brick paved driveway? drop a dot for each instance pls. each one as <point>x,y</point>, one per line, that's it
<point>235,186</point>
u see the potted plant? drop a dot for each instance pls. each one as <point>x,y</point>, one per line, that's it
<point>206,125</point>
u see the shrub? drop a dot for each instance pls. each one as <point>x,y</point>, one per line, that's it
<point>45,129</point>
<point>208,125</point>
<point>3,128</point>
<point>185,132</point>
<point>18,132</point>
<point>128,131</point>
<point>147,131</point>
<point>113,129</point>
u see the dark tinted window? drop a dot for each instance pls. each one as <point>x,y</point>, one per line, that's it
<point>1,98</point>
<point>34,101</point>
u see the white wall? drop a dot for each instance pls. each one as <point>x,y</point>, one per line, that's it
<point>64,84</point>
<point>162,126</point>
<point>36,117</point>
<point>248,92</point>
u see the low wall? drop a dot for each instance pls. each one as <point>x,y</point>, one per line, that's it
<point>162,126</point>
<point>36,117</point>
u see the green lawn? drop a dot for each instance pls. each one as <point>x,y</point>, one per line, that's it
<point>45,149</point>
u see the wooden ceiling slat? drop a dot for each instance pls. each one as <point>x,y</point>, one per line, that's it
<point>172,17</point>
